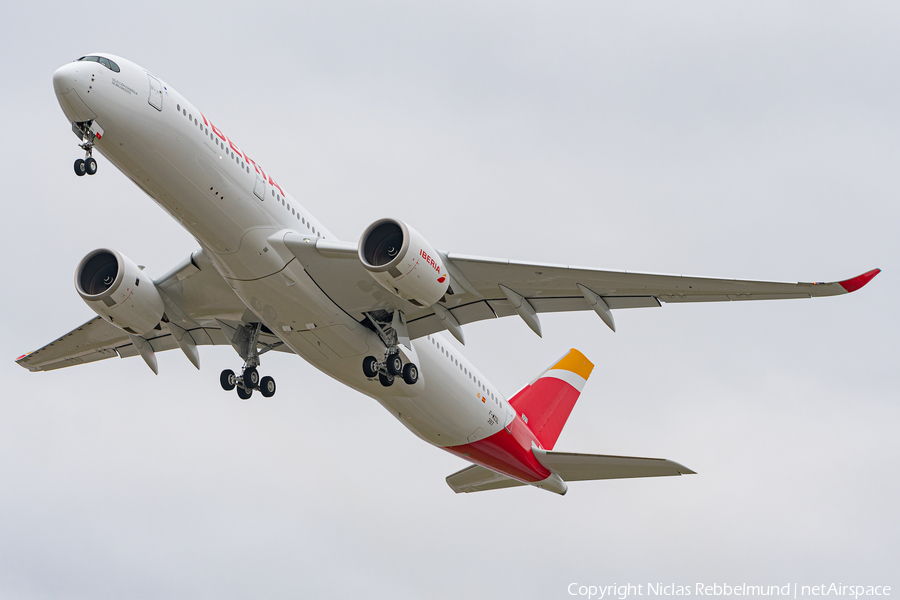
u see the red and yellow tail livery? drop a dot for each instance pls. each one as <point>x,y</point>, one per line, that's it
<point>521,453</point>
<point>546,403</point>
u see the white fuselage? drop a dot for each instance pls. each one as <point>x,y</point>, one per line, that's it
<point>239,215</point>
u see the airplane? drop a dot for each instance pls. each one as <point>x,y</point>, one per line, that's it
<point>371,314</point>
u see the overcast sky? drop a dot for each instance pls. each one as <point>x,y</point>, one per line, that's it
<point>755,141</point>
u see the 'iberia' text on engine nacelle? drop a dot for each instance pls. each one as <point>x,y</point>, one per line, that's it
<point>400,259</point>
<point>116,289</point>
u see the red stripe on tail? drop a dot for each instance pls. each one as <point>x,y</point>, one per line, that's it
<point>546,404</point>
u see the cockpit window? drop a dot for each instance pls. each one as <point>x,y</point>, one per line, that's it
<point>103,61</point>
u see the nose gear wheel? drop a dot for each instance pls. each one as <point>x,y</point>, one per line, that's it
<point>87,165</point>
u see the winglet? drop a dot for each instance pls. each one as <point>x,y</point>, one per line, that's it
<point>21,363</point>
<point>851,285</point>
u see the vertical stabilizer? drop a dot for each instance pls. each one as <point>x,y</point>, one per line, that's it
<point>546,403</point>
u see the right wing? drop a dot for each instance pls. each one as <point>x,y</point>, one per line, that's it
<point>488,288</point>
<point>196,298</point>
<point>493,288</point>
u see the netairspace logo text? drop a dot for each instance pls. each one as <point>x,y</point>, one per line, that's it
<point>791,590</point>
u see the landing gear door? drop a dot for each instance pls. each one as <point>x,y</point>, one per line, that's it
<point>155,93</point>
<point>260,188</point>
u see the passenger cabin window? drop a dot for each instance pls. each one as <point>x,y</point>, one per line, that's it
<point>112,66</point>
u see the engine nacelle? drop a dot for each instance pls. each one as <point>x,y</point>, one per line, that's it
<point>117,290</point>
<point>400,259</point>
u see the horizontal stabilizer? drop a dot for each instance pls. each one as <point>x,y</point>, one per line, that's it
<point>585,467</point>
<point>479,479</point>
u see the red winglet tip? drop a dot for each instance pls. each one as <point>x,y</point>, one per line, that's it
<point>851,285</point>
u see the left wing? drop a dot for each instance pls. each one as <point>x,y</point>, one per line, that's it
<point>98,339</point>
<point>487,288</point>
<point>196,299</point>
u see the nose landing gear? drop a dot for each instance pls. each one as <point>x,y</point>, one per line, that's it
<point>245,341</point>
<point>87,165</point>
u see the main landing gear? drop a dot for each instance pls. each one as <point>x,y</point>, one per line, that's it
<point>389,369</point>
<point>392,365</point>
<point>245,342</point>
<point>246,382</point>
<point>87,165</point>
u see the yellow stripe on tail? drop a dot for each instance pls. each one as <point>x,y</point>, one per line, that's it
<point>575,362</point>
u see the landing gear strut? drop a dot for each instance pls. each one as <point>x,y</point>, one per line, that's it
<point>245,341</point>
<point>87,165</point>
<point>392,364</point>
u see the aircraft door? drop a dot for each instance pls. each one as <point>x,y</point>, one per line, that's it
<point>260,188</point>
<point>156,93</point>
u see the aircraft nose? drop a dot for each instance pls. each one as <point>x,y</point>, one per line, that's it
<point>64,78</point>
<point>70,82</point>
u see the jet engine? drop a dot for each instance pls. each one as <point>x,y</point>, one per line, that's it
<point>400,259</point>
<point>116,289</point>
